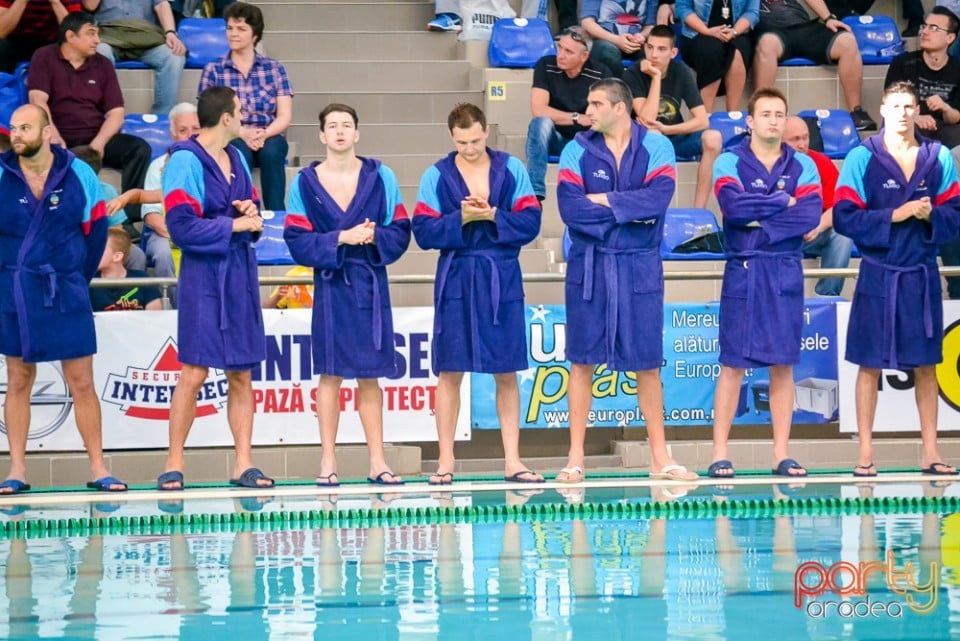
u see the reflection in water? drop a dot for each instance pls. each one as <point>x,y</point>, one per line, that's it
<point>723,578</point>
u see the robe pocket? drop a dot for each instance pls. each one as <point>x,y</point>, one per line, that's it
<point>363,284</point>
<point>73,294</point>
<point>511,280</point>
<point>789,277</point>
<point>453,287</point>
<point>647,275</point>
<point>575,272</point>
<point>735,276</point>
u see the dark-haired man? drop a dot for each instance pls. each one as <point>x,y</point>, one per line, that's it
<point>615,184</point>
<point>79,90</point>
<point>211,215</point>
<point>478,208</point>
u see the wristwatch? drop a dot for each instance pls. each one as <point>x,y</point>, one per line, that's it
<point>575,116</point>
<point>829,18</point>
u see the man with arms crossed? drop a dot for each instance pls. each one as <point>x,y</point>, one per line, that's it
<point>212,216</point>
<point>898,198</point>
<point>615,184</point>
<point>770,199</point>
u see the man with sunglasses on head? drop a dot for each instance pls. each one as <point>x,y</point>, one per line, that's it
<point>558,101</point>
<point>935,76</point>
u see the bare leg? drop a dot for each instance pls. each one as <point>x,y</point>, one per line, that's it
<point>86,407</point>
<point>927,393</point>
<point>735,81</point>
<point>709,95</point>
<point>328,415</point>
<point>447,410</point>
<point>726,397</point>
<point>16,415</point>
<point>711,145</point>
<point>508,412</point>
<point>849,67</point>
<point>579,398</point>
<point>240,408</point>
<point>650,400</point>
<point>371,416</point>
<point>866,400</point>
<point>183,409</point>
<point>781,410</point>
<point>766,60</point>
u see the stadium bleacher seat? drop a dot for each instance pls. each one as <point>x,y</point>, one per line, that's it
<point>519,42</point>
<point>271,248</point>
<point>798,62</point>
<point>13,94</point>
<point>205,40</point>
<point>732,126</point>
<point>154,128</point>
<point>685,224</point>
<point>837,129</point>
<point>130,64</point>
<point>878,38</point>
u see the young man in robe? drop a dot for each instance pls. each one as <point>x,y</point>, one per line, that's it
<point>898,199</point>
<point>346,220</point>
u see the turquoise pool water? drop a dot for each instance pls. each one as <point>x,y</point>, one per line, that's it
<point>514,578</point>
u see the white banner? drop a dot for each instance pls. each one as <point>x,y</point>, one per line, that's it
<point>896,405</point>
<point>137,369</point>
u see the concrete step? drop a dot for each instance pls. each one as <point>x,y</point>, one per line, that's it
<point>385,106</point>
<point>368,44</point>
<point>381,76</point>
<point>348,16</point>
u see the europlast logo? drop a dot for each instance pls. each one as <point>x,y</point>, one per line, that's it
<point>146,392</point>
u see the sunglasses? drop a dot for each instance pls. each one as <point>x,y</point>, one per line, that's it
<point>575,34</point>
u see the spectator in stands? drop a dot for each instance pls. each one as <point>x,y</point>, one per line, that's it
<point>614,288</point>
<point>558,101</point>
<point>896,321</point>
<point>447,17</point>
<point>770,198</point>
<point>292,296</point>
<point>660,86</point>
<point>165,257</point>
<point>116,216</point>
<point>785,31</point>
<point>832,248</point>
<point>79,90</point>
<point>618,28</point>
<point>935,76</point>
<point>716,45</point>
<point>167,59</point>
<point>109,299</point>
<point>27,25</point>
<point>265,96</point>
<point>198,8</point>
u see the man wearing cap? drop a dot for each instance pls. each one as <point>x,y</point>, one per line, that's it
<point>558,101</point>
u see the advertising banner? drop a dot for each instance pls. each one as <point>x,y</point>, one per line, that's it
<point>689,374</point>
<point>137,369</point>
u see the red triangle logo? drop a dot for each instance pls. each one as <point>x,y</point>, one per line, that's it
<point>168,359</point>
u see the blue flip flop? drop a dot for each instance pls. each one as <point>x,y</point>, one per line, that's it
<point>173,476</point>
<point>783,469</point>
<point>723,464</point>
<point>379,480</point>
<point>15,486</point>
<point>104,484</point>
<point>250,477</point>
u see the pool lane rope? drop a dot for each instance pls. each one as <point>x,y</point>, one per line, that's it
<point>267,521</point>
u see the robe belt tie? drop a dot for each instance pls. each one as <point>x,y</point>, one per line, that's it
<point>49,275</point>
<point>893,288</point>
<point>489,255</point>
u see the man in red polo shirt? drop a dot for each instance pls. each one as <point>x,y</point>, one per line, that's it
<point>27,25</point>
<point>78,87</point>
<point>832,248</point>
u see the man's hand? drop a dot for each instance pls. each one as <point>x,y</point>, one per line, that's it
<point>252,137</point>
<point>629,43</point>
<point>157,223</point>
<point>246,208</point>
<point>792,202</point>
<point>118,203</point>
<point>926,122</point>
<point>920,209</point>
<point>814,233</point>
<point>361,234</point>
<point>476,209</point>
<point>599,199</point>
<point>835,25</point>
<point>176,46</point>
<point>248,223</point>
<point>665,14</point>
<point>647,67</point>
<point>97,144</point>
<point>936,103</point>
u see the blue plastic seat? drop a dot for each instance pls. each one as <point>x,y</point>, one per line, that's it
<point>878,38</point>
<point>683,224</point>
<point>732,126</point>
<point>205,40</point>
<point>13,94</point>
<point>519,42</point>
<point>837,129</point>
<point>155,129</point>
<point>130,64</point>
<point>798,62</point>
<point>271,248</point>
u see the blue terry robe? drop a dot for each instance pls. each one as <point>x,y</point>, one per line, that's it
<point>352,322</point>
<point>761,301</point>
<point>49,252</point>
<point>479,323</point>
<point>896,320</point>
<point>219,323</point>
<point>614,285</point>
